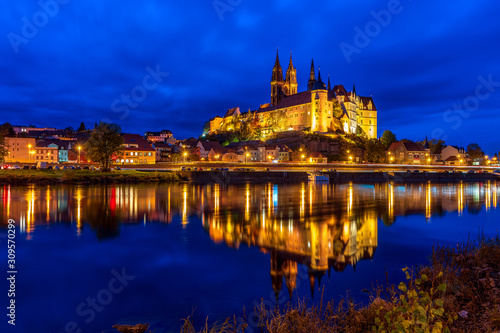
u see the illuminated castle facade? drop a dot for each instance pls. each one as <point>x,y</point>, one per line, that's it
<point>321,108</point>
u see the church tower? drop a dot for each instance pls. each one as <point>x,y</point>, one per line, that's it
<point>312,77</point>
<point>277,82</point>
<point>291,79</point>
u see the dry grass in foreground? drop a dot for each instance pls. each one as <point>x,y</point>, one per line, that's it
<point>458,291</point>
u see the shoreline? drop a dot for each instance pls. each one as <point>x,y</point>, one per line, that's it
<point>43,177</point>
<point>457,290</point>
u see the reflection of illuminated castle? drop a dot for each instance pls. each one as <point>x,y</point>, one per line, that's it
<point>320,242</point>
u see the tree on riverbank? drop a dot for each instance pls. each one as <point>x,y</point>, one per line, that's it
<point>104,144</point>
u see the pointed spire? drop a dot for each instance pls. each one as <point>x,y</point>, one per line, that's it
<point>312,77</point>
<point>329,85</point>
<point>319,75</point>
<point>277,71</point>
<point>354,89</point>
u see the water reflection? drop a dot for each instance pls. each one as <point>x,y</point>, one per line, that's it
<point>320,226</point>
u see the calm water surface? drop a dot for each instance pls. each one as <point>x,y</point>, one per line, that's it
<point>89,257</point>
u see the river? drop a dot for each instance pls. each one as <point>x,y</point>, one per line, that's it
<point>88,257</point>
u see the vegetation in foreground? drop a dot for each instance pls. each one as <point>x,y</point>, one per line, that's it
<point>458,291</point>
<point>84,176</point>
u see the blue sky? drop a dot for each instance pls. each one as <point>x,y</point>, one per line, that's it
<point>432,68</point>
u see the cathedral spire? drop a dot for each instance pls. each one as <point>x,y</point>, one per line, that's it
<point>312,76</point>
<point>291,79</point>
<point>277,71</point>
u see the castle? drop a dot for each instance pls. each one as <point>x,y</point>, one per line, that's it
<point>321,108</point>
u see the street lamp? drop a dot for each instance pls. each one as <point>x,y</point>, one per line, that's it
<point>302,160</point>
<point>185,154</point>
<point>29,150</point>
<point>350,159</point>
<point>246,157</point>
<point>79,148</point>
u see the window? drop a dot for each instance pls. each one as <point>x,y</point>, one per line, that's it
<point>149,154</point>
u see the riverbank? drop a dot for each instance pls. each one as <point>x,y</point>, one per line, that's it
<point>21,177</point>
<point>458,291</point>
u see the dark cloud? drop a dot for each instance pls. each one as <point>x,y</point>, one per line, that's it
<point>90,53</point>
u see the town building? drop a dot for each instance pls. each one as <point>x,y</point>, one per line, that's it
<point>163,151</point>
<point>136,150</point>
<point>321,108</point>
<point>20,150</point>
<point>402,152</point>
<point>48,154</point>
<point>162,136</point>
<point>453,155</point>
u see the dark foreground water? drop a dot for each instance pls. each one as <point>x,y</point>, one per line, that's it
<point>89,257</point>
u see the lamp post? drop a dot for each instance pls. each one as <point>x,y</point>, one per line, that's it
<point>29,151</point>
<point>302,158</point>
<point>79,149</point>
<point>246,157</point>
<point>185,154</point>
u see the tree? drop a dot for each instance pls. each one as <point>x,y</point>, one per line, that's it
<point>388,138</point>
<point>436,146</point>
<point>82,127</point>
<point>360,132</point>
<point>474,151</point>
<point>375,151</point>
<point>7,130</point>
<point>3,145</point>
<point>104,144</point>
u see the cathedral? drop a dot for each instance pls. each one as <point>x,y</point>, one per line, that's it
<point>321,108</point>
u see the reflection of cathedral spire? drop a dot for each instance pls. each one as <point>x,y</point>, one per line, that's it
<point>312,281</point>
<point>290,269</point>
<point>276,273</point>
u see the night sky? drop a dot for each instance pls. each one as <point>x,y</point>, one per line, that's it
<point>431,67</point>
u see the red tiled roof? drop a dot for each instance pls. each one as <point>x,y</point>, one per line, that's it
<point>232,111</point>
<point>451,159</point>
<point>292,100</point>
<point>316,155</point>
<point>394,146</point>
<point>366,100</point>
<point>207,145</point>
<point>339,90</point>
<point>136,139</point>
<point>412,146</point>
